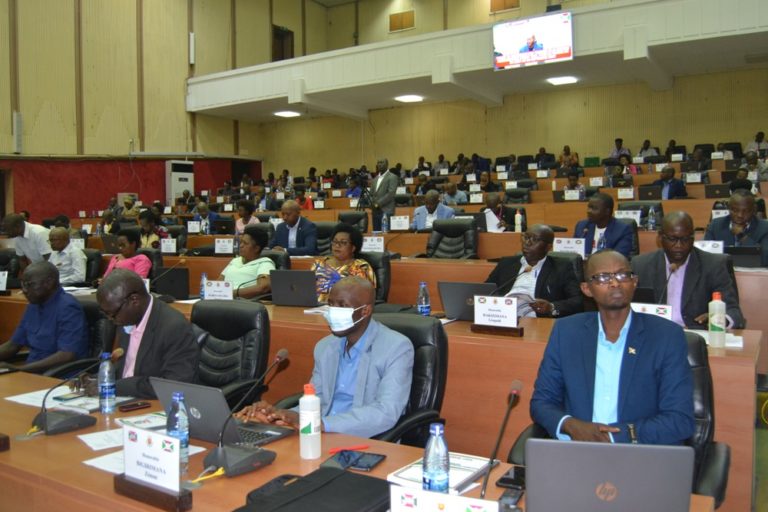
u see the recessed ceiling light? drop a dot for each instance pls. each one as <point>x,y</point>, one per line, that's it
<point>562,80</point>
<point>287,113</point>
<point>409,98</point>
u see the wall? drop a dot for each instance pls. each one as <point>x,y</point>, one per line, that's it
<point>6,145</point>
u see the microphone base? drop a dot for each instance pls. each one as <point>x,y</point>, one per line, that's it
<point>517,332</point>
<point>58,422</point>
<point>237,460</point>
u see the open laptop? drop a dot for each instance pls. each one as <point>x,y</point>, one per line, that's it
<point>717,191</point>
<point>745,256</point>
<point>223,227</point>
<point>208,409</point>
<point>173,282</point>
<point>293,288</point>
<point>110,244</point>
<point>458,298</point>
<point>607,477</point>
<point>649,193</point>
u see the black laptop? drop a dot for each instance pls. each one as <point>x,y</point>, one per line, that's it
<point>293,288</point>
<point>458,298</point>
<point>172,281</point>
<point>223,227</point>
<point>649,193</point>
<point>717,191</point>
<point>745,256</point>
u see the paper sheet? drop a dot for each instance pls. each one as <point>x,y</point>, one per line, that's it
<point>115,462</point>
<point>35,398</point>
<point>492,222</point>
<point>731,340</point>
<point>103,440</point>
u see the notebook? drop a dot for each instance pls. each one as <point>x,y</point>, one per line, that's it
<point>585,477</point>
<point>208,409</point>
<point>459,298</point>
<point>293,288</point>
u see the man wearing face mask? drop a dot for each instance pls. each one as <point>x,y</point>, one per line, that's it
<point>362,351</point>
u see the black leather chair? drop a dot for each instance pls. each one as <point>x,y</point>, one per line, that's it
<point>644,207</point>
<point>590,191</point>
<point>520,174</point>
<point>9,262</point>
<point>155,256</point>
<point>403,200</point>
<point>453,238</point>
<point>635,238</point>
<point>707,149</point>
<point>380,262</point>
<point>324,233</point>
<point>529,183</point>
<point>264,217</point>
<point>267,227</point>
<point>235,350</point>
<point>524,160</point>
<point>574,259</point>
<point>735,148</point>
<point>281,258</point>
<point>178,232</point>
<point>92,265</point>
<point>357,219</point>
<point>517,196</point>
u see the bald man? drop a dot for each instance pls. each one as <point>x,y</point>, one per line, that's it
<point>614,375</point>
<point>362,373</point>
<point>31,241</point>
<point>69,260</point>
<point>741,227</point>
<point>296,235</point>
<point>424,216</point>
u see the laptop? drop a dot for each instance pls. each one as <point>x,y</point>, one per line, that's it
<point>649,193</point>
<point>110,244</point>
<point>208,409</point>
<point>172,281</point>
<point>558,196</point>
<point>607,477</point>
<point>718,191</point>
<point>293,288</point>
<point>749,256</point>
<point>223,227</point>
<point>458,298</point>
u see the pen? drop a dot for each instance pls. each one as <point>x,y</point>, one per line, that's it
<point>356,448</point>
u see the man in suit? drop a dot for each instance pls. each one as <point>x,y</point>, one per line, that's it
<point>671,188</point>
<point>614,375</point>
<point>699,162</point>
<point>505,215</point>
<point>432,210</point>
<point>295,235</point>
<point>741,226</point>
<point>600,230</point>
<point>551,282</point>
<point>685,277</point>
<point>206,218</point>
<point>158,341</point>
<point>383,191</point>
<point>362,372</point>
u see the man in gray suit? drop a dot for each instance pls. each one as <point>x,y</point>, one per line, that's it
<point>362,371</point>
<point>383,189</point>
<point>685,277</point>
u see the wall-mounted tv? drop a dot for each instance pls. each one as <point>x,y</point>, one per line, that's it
<point>533,41</point>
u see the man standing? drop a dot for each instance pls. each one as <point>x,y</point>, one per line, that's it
<point>685,277</point>
<point>740,227</point>
<point>295,235</point>
<point>383,191</point>
<point>53,326</point>
<point>362,372</point>
<point>600,230</point>
<point>69,260</point>
<point>157,340</point>
<point>671,188</point>
<point>432,210</point>
<point>32,244</point>
<point>551,282</point>
<point>614,375</point>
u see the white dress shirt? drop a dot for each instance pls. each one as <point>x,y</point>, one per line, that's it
<point>70,262</point>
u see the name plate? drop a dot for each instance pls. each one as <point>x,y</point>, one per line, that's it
<point>571,195</point>
<point>353,202</point>
<point>565,244</point>
<point>692,177</point>
<point>475,198</point>
<point>424,173</point>
<point>3,280</point>
<point>496,311</point>
<point>542,174</point>
<point>77,242</point>
<point>229,207</point>
<point>168,245</point>
<point>475,187</point>
<point>408,181</point>
<point>81,214</point>
<point>713,246</point>
<point>319,204</point>
<point>502,175</point>
<point>280,196</point>
<point>100,213</point>
<point>676,157</point>
<point>510,185</point>
<point>88,228</point>
<point>716,155</point>
<point>193,226</point>
<point>204,193</point>
<point>443,172</point>
<point>638,160</point>
<point>167,210</point>
<point>373,244</point>
<point>336,193</point>
<point>401,190</point>
<point>716,214</point>
<point>596,181</point>
<point>659,167</point>
<point>662,310</point>
<point>221,290</point>
<point>219,199</point>
<point>407,499</point>
<point>752,176</point>
<point>471,178</point>
<point>625,193</point>
<point>327,185</point>
<point>152,458</point>
<point>533,166</point>
<point>628,214</point>
<point>399,222</point>
<point>224,246</point>
<point>500,168</point>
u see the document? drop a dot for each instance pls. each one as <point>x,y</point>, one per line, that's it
<point>492,222</point>
<point>115,462</point>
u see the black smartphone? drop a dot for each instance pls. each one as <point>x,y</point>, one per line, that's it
<point>513,479</point>
<point>509,500</point>
<point>133,406</point>
<point>69,396</point>
<point>350,459</point>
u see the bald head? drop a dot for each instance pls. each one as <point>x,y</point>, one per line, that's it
<point>544,232</point>
<point>360,290</point>
<point>42,270</point>
<point>674,220</point>
<point>121,282</point>
<point>601,259</point>
<point>59,238</point>
<point>492,200</point>
<point>40,281</point>
<point>13,225</point>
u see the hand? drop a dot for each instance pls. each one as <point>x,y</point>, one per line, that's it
<point>257,413</point>
<point>701,319</point>
<point>86,384</point>
<point>501,224</point>
<point>285,418</point>
<point>738,229</point>
<point>542,307</point>
<point>278,248</point>
<point>587,431</point>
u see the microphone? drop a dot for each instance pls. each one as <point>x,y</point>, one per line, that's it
<point>504,284</point>
<point>514,398</point>
<point>237,290</point>
<point>672,268</point>
<point>58,422</point>
<point>182,261</point>
<point>236,460</point>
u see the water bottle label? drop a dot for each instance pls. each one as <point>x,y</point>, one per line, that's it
<point>309,423</point>
<point>106,391</point>
<point>717,322</point>
<point>435,481</point>
<point>424,309</point>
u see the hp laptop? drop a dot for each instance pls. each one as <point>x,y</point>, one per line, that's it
<point>208,409</point>
<point>459,298</point>
<point>649,193</point>
<point>173,282</point>
<point>293,288</point>
<point>223,227</point>
<point>718,191</point>
<point>749,256</point>
<point>605,477</point>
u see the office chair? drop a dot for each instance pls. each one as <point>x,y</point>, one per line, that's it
<point>403,200</point>
<point>380,263</point>
<point>644,207</point>
<point>281,259</point>
<point>517,195</point>
<point>635,238</point>
<point>267,227</point>
<point>529,183</point>
<point>179,232</point>
<point>92,265</point>
<point>356,219</point>
<point>324,234</point>
<point>9,262</point>
<point>155,256</point>
<point>453,238</point>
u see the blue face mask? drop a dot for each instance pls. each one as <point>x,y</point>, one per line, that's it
<point>128,329</point>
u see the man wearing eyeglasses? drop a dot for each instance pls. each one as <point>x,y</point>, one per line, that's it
<point>614,375</point>
<point>741,227</point>
<point>157,340</point>
<point>685,277</point>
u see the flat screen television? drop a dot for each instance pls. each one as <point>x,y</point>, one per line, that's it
<point>533,41</point>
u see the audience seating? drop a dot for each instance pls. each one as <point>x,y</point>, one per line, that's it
<point>635,237</point>
<point>179,232</point>
<point>9,262</point>
<point>707,149</point>
<point>403,200</point>
<point>92,265</point>
<point>735,148</point>
<point>644,207</point>
<point>380,263</point>
<point>155,256</point>
<point>517,196</point>
<point>281,259</point>
<point>264,217</point>
<point>453,238</point>
<point>267,227</point>
<point>358,219</point>
<point>529,183</point>
<point>324,234</point>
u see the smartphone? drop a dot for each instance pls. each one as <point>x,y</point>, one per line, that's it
<point>513,479</point>
<point>133,406</point>
<point>350,459</point>
<point>509,500</point>
<point>69,396</point>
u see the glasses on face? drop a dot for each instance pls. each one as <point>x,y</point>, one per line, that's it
<point>114,314</point>
<point>623,276</point>
<point>531,239</point>
<point>340,243</point>
<point>682,240</point>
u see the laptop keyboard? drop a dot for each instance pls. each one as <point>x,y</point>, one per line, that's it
<point>248,436</point>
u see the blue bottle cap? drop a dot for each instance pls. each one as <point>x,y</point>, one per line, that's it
<point>178,395</point>
<point>436,429</point>
<point>105,355</point>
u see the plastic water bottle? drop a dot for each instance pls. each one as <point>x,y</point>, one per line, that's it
<point>106,384</point>
<point>651,219</point>
<point>436,461</point>
<point>717,321</point>
<point>554,185</point>
<point>203,279</point>
<point>309,424</point>
<point>236,245</point>
<point>422,300</point>
<point>177,425</point>
<point>518,222</point>
<point>385,223</point>
<point>98,229</point>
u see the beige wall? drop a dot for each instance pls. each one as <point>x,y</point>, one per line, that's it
<point>317,23</point>
<point>254,33</point>
<point>287,13</point>
<point>341,27</point>
<point>6,145</point>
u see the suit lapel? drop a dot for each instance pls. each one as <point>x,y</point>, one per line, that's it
<point>660,276</point>
<point>633,350</point>
<point>692,274</point>
<point>546,268</point>
<point>147,338</point>
<point>363,366</point>
<point>589,357</point>
<point>332,364</point>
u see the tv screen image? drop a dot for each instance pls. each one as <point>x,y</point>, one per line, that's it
<point>532,41</point>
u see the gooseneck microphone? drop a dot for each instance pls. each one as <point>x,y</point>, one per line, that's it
<point>58,422</point>
<point>514,398</point>
<point>672,268</point>
<point>236,460</point>
<point>182,261</point>
<point>237,290</point>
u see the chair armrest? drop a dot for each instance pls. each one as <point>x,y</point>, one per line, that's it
<point>713,472</point>
<point>411,421</point>
<point>517,453</point>
<point>288,402</point>
<point>68,369</point>
<point>418,255</point>
<point>235,391</point>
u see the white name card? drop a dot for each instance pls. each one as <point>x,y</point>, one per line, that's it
<point>676,157</point>
<point>168,245</point>
<point>319,204</point>
<point>471,178</point>
<point>275,221</point>
<point>500,168</point>
<point>625,193</point>
<point>399,222</point>
<point>408,499</point>
<point>167,210</point>
<point>408,181</point>
<point>228,207</point>
<point>224,246</point>
<point>475,187</point>
<point>78,243</point>
<point>475,198</point>
<point>336,193</point>
<point>638,160</point>
<point>752,176</point>
<point>327,185</point>
<point>100,213</point>
<point>81,214</point>
<point>279,196</point>
<point>443,172</point>
<point>533,166</point>
<point>424,173</point>
<point>510,185</point>
<point>373,244</point>
<point>502,175</point>
<point>660,167</point>
<point>542,174</point>
<point>401,190</point>
<point>88,228</point>
<point>219,199</point>
<point>353,202</point>
<point>662,310</point>
<point>193,226</point>
<point>575,245</point>
<point>692,177</point>
<point>713,246</point>
<point>221,290</point>
<point>498,311</point>
<point>204,193</point>
<point>152,457</point>
<point>571,195</point>
<point>596,181</point>
<point>717,155</point>
<point>3,280</point>
<point>716,214</point>
<point>628,214</point>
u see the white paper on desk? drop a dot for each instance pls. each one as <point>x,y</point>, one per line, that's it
<point>150,421</point>
<point>35,398</point>
<point>731,340</point>
<point>115,462</point>
<point>492,222</point>
<point>103,440</point>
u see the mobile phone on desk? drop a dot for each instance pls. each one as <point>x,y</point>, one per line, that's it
<point>69,396</point>
<point>514,478</point>
<point>133,406</point>
<point>509,500</point>
<point>350,459</point>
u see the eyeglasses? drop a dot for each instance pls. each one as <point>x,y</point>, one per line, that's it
<point>114,314</point>
<point>624,276</point>
<point>682,240</point>
<point>340,243</point>
<point>531,239</point>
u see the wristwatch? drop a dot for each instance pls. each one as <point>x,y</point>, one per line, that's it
<point>555,311</point>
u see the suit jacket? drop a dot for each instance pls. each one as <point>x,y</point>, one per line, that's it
<point>306,238</point>
<point>705,273</point>
<point>655,385</point>
<point>676,188</point>
<point>168,349</point>
<point>556,283</point>
<point>383,384</point>
<point>383,191</point>
<point>618,236</point>
<point>507,213</point>
<point>420,215</point>
<point>756,234</point>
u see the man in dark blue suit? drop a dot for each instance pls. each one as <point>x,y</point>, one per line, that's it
<point>600,230</point>
<point>206,218</point>
<point>671,188</point>
<point>741,226</point>
<point>615,375</point>
<point>295,235</point>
